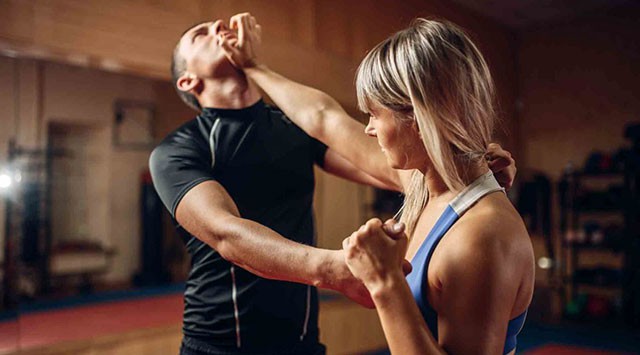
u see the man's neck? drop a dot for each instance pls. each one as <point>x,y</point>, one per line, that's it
<point>235,92</point>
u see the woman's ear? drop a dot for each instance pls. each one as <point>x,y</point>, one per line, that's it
<point>414,122</point>
<point>187,82</point>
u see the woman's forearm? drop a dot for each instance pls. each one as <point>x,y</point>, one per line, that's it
<point>309,108</point>
<point>322,117</point>
<point>402,322</point>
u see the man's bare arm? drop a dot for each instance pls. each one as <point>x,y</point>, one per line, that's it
<point>208,212</point>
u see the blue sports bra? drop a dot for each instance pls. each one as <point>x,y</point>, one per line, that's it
<point>482,186</point>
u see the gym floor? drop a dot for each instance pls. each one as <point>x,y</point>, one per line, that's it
<point>572,339</point>
<point>116,313</point>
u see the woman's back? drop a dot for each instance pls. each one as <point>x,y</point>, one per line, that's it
<point>485,242</point>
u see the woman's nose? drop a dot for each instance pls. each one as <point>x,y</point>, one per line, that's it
<point>369,130</point>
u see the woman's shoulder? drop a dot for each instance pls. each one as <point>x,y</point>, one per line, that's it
<point>491,226</point>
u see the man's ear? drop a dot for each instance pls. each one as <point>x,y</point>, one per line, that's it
<point>187,82</point>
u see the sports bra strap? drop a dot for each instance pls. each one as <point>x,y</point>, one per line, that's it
<point>482,186</point>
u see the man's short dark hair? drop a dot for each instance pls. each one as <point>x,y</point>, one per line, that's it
<point>178,68</point>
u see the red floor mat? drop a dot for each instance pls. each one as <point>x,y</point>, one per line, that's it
<point>8,336</point>
<point>84,322</point>
<point>569,350</point>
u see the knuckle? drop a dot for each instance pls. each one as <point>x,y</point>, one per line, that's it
<point>349,253</point>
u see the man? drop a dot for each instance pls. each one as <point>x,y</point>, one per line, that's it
<point>238,180</point>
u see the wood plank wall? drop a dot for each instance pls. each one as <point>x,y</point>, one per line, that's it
<point>318,42</point>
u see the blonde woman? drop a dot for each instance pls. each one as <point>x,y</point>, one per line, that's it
<point>430,96</point>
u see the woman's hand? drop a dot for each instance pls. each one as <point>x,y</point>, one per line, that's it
<point>502,164</point>
<point>375,253</point>
<point>242,52</point>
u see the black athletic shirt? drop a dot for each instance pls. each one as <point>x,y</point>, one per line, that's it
<point>265,163</point>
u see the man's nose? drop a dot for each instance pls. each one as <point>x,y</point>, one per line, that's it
<point>217,26</point>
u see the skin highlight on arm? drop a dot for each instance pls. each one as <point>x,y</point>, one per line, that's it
<point>209,213</point>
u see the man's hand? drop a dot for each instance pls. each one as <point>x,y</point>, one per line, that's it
<point>242,52</point>
<point>342,280</point>
<point>502,164</point>
<point>339,278</point>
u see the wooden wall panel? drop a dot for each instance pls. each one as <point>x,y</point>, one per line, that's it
<point>317,42</point>
<point>580,85</point>
<point>17,20</point>
<point>137,36</point>
<point>29,101</point>
<point>335,27</point>
<point>8,102</point>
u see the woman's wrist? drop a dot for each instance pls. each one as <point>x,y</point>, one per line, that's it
<point>385,287</point>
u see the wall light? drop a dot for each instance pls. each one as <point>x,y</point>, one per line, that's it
<point>5,181</point>
<point>9,178</point>
<point>545,263</point>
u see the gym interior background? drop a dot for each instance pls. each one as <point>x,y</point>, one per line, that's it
<point>90,263</point>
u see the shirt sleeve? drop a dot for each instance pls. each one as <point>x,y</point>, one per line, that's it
<point>318,151</point>
<point>177,167</point>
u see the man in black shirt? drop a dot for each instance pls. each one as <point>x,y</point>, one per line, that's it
<point>238,181</point>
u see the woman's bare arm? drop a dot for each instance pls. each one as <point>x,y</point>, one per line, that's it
<point>317,113</point>
<point>323,118</point>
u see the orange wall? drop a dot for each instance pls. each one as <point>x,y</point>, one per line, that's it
<point>579,86</point>
<point>317,42</point>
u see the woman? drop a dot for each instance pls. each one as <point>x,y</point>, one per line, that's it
<point>429,95</point>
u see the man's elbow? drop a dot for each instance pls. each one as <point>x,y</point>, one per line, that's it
<point>222,235</point>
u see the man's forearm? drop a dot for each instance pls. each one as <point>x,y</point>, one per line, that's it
<point>267,254</point>
<point>209,213</point>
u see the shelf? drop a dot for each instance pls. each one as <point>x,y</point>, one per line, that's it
<point>596,248</point>
<point>609,291</point>
<point>584,286</point>
<point>602,202</point>
<point>610,174</point>
<point>607,210</point>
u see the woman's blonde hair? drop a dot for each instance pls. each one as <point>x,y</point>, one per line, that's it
<point>432,73</point>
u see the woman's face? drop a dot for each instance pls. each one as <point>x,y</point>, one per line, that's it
<point>398,138</point>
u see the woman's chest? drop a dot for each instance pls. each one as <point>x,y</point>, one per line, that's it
<point>427,251</point>
<point>428,219</point>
